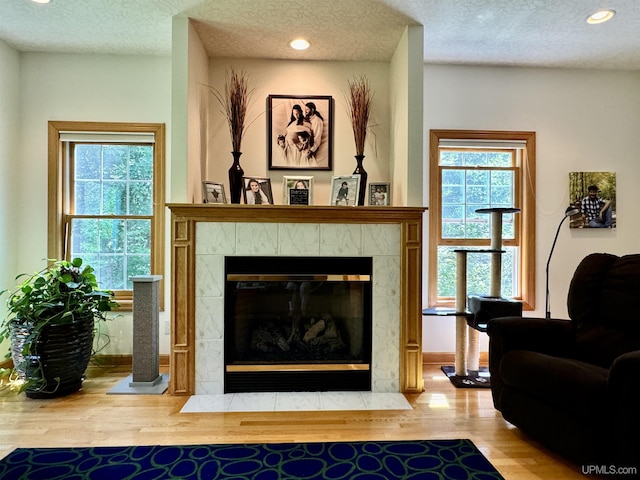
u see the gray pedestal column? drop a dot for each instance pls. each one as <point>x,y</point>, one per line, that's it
<point>146,377</point>
<point>146,313</point>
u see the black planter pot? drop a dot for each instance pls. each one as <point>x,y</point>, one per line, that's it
<point>58,361</point>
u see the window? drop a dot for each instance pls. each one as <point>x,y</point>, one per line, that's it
<point>106,194</point>
<point>470,170</point>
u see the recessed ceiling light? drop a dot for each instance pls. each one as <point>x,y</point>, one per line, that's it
<point>600,16</point>
<point>41,1</point>
<point>299,44</point>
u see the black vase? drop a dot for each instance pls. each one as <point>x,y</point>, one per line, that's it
<point>235,178</point>
<point>363,179</point>
<point>59,358</point>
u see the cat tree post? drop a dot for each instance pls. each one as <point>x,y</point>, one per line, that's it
<point>461,312</point>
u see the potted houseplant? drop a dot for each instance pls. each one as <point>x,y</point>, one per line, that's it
<point>50,324</point>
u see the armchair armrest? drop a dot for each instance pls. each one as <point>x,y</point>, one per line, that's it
<point>623,377</point>
<point>624,390</point>
<point>550,336</point>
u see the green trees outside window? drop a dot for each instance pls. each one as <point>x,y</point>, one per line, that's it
<point>111,224</point>
<point>471,180</point>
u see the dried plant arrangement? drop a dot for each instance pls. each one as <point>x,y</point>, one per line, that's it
<point>359,99</point>
<point>234,102</point>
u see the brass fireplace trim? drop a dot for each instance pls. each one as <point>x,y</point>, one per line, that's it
<point>300,367</point>
<point>242,277</point>
<point>183,238</point>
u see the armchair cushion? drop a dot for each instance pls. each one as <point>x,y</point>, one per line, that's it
<point>575,387</point>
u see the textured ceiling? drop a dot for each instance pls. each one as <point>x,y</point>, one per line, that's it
<point>550,33</point>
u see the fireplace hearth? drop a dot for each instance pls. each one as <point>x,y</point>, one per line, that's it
<point>298,324</point>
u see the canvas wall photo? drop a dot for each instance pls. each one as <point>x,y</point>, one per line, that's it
<point>300,132</point>
<point>594,193</point>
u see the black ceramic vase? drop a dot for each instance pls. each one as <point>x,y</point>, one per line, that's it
<point>235,178</point>
<point>363,179</point>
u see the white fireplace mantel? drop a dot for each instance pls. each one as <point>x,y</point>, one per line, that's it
<point>203,234</point>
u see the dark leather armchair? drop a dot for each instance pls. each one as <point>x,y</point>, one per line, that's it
<point>574,385</point>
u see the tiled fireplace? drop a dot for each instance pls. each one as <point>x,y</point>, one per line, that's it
<point>204,236</point>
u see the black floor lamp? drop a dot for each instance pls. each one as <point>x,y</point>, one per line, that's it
<point>570,211</point>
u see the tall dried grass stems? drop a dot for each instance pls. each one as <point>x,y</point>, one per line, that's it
<point>359,102</point>
<point>234,102</point>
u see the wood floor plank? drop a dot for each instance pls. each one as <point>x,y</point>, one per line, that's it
<point>91,417</point>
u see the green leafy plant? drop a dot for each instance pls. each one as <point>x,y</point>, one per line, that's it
<point>59,294</point>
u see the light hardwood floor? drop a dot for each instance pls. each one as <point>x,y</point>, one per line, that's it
<point>91,418</point>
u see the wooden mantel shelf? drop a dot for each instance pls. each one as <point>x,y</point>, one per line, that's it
<point>183,239</point>
<point>294,213</point>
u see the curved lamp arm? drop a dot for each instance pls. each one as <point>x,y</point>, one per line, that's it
<point>570,211</point>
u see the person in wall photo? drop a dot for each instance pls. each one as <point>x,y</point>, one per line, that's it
<point>255,195</point>
<point>281,151</point>
<point>597,211</point>
<point>317,124</point>
<point>297,125</point>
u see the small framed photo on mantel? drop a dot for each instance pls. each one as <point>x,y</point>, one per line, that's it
<point>380,194</point>
<point>257,191</point>
<point>213,192</point>
<point>345,190</point>
<point>298,190</point>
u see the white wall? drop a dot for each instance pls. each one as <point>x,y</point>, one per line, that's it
<point>79,88</point>
<point>9,160</point>
<point>584,121</point>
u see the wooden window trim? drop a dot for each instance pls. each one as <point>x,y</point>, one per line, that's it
<point>58,182</point>
<point>527,220</point>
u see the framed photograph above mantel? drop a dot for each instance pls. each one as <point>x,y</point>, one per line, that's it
<point>300,132</point>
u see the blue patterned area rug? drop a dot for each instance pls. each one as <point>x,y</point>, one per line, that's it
<point>421,459</point>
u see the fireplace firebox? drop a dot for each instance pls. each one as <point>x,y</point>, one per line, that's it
<point>297,324</point>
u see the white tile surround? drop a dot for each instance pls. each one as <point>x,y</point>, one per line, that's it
<point>216,240</point>
<point>295,402</point>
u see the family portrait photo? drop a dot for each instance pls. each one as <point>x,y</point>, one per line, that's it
<point>300,132</point>
<point>257,191</point>
<point>213,192</point>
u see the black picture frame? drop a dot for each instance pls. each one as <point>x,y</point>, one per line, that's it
<point>294,146</point>
<point>380,194</point>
